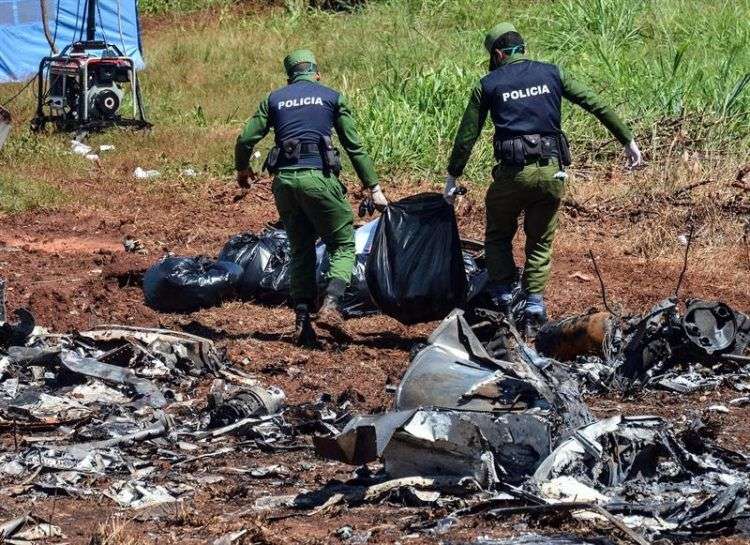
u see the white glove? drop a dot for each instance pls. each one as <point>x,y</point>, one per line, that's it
<point>635,159</point>
<point>449,191</point>
<point>378,198</point>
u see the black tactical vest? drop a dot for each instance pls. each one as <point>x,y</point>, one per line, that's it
<point>523,97</point>
<point>306,111</point>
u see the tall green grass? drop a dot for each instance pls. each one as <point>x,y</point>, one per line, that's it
<point>409,65</point>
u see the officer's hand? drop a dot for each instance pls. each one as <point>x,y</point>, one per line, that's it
<point>635,158</point>
<point>378,198</point>
<point>449,191</point>
<point>244,178</point>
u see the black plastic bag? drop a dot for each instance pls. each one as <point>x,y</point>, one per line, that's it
<point>415,271</point>
<point>356,301</point>
<point>264,260</point>
<point>477,277</point>
<point>184,284</point>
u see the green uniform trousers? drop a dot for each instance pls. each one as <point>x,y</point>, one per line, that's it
<point>313,205</point>
<point>533,191</point>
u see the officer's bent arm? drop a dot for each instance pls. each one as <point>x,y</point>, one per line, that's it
<point>350,141</point>
<point>468,132</point>
<point>255,129</point>
<point>587,99</point>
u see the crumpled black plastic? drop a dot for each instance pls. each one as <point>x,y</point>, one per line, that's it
<point>415,271</point>
<point>265,261</point>
<point>184,284</point>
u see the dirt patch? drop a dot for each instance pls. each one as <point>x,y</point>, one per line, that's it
<point>63,245</point>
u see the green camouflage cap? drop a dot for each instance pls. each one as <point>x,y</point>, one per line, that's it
<point>297,56</point>
<point>495,32</point>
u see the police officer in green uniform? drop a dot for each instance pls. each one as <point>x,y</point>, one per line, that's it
<point>523,99</point>
<point>310,199</point>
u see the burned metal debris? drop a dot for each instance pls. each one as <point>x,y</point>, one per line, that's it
<point>702,347</point>
<point>112,412</point>
<point>496,437</point>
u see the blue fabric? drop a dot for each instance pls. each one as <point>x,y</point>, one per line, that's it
<point>22,41</point>
<point>535,304</point>
<point>501,293</point>
<point>524,97</point>
<point>303,110</point>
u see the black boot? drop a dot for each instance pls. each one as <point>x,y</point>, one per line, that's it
<point>330,316</point>
<point>304,334</point>
<point>535,314</point>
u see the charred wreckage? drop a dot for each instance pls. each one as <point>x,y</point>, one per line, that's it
<point>483,424</point>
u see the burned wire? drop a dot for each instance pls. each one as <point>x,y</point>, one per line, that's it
<point>601,285</point>
<point>685,260</point>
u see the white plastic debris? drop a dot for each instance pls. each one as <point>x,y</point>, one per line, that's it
<point>79,148</point>
<point>189,172</point>
<point>106,147</point>
<point>142,174</point>
<point>719,408</point>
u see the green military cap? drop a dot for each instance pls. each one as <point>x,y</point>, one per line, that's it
<point>296,57</point>
<point>495,32</point>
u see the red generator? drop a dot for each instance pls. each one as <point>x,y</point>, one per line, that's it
<point>86,87</point>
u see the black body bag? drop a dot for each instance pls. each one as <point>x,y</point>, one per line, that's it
<point>415,272</point>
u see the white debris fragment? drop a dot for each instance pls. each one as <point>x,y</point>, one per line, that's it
<point>567,489</point>
<point>79,148</point>
<point>106,147</point>
<point>136,495</point>
<point>92,157</point>
<point>97,391</point>
<point>189,172</point>
<point>719,408</point>
<point>142,174</point>
<point>40,531</point>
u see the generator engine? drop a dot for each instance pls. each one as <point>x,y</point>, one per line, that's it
<point>85,88</point>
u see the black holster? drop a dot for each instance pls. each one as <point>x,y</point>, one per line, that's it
<point>331,157</point>
<point>291,149</point>
<point>271,163</point>
<point>562,142</point>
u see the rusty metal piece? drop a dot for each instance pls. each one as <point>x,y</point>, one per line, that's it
<point>575,336</point>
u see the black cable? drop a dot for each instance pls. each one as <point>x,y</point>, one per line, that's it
<point>14,97</point>
<point>57,22</point>
<point>101,20</point>
<point>77,26</point>
<point>605,300</point>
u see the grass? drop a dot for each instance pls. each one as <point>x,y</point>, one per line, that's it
<point>20,195</point>
<point>678,71</point>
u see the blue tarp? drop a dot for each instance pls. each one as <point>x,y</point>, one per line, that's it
<point>22,41</point>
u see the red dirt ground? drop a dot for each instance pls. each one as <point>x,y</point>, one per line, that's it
<point>69,267</point>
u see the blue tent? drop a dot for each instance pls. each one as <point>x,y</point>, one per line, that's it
<point>22,40</point>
